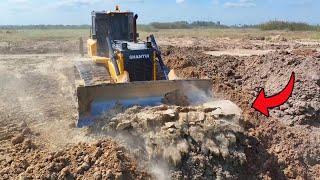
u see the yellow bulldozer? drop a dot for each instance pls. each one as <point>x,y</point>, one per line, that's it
<point>121,69</point>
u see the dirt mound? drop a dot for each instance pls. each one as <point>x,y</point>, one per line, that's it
<point>289,149</point>
<point>303,108</point>
<point>194,141</point>
<point>238,73</point>
<point>23,159</point>
<point>296,150</point>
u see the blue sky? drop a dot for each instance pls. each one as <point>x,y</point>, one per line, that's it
<point>229,12</point>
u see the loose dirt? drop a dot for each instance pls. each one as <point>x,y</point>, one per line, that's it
<point>290,137</point>
<point>23,159</point>
<point>37,111</point>
<point>189,142</point>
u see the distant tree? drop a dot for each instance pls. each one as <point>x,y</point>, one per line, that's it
<point>285,25</point>
<point>271,25</point>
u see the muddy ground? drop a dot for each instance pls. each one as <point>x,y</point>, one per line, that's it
<point>37,111</point>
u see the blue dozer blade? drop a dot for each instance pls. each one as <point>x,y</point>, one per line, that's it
<point>94,101</point>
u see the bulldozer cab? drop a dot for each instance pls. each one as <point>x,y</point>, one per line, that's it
<point>115,25</point>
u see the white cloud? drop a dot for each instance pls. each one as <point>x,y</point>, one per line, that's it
<point>180,1</point>
<point>240,3</point>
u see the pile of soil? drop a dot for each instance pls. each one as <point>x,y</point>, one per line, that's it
<point>290,137</point>
<point>303,108</point>
<point>274,70</point>
<point>194,141</point>
<point>21,158</point>
<point>296,150</point>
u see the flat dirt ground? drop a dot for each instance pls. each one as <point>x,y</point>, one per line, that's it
<point>38,107</point>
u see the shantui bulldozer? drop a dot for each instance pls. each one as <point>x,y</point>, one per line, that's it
<point>121,69</point>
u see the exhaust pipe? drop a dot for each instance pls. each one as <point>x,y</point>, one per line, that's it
<point>135,38</point>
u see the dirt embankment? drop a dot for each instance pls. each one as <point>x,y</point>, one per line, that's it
<point>290,139</point>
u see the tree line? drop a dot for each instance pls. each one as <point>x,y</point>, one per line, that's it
<point>270,25</point>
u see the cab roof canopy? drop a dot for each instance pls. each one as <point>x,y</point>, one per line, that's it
<point>116,25</point>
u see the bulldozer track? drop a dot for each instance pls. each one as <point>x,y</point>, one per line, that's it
<point>92,73</point>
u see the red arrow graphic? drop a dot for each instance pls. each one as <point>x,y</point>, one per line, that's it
<point>263,103</point>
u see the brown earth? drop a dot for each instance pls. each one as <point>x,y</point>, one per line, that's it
<point>190,142</point>
<point>291,137</point>
<point>100,160</point>
<point>37,107</point>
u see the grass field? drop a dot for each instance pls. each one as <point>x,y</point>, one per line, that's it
<point>74,34</point>
<point>42,34</point>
